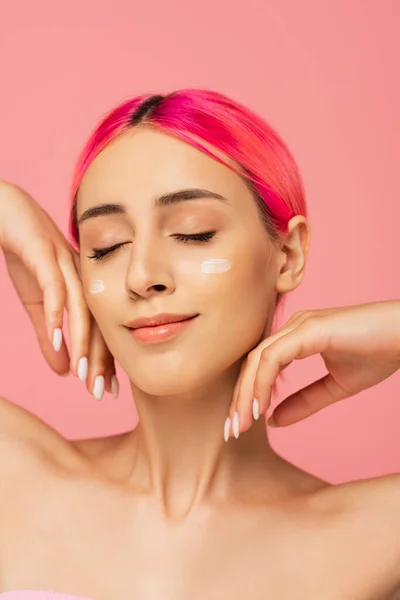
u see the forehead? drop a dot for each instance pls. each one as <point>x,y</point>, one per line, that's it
<point>151,162</point>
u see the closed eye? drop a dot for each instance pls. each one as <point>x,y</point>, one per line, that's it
<point>205,236</point>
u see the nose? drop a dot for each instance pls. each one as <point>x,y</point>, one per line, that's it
<point>149,271</point>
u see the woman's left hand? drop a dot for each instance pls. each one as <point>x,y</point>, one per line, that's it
<point>360,346</point>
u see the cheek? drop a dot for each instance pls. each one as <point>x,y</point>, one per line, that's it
<point>205,279</point>
<point>241,282</point>
<point>96,291</point>
<point>96,286</point>
<point>241,299</point>
<point>99,298</point>
<point>236,295</point>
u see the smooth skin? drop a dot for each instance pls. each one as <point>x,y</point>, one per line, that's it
<point>170,510</point>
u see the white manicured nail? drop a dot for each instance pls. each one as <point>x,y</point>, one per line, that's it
<point>114,386</point>
<point>256,409</point>
<point>83,368</point>
<point>98,389</point>
<point>57,339</point>
<point>235,425</point>
<point>227,428</point>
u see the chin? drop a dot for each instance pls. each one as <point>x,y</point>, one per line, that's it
<point>169,386</point>
<point>169,380</point>
<point>166,370</point>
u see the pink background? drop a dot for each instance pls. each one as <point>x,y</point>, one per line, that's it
<point>325,74</point>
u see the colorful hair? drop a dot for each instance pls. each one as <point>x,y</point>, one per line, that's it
<point>192,115</point>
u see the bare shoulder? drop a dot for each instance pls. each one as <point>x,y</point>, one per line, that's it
<point>363,520</point>
<point>23,432</point>
<point>364,496</point>
<point>17,422</point>
<point>24,440</point>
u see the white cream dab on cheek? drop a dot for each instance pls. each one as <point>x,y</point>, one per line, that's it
<point>215,265</point>
<point>96,286</point>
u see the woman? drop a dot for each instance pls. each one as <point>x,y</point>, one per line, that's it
<point>187,207</point>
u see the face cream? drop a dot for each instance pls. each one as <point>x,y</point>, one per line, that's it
<point>96,286</point>
<point>215,265</point>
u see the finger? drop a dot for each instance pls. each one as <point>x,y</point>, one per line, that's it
<point>241,411</point>
<point>307,401</point>
<point>58,361</point>
<point>247,405</point>
<point>101,375</point>
<point>228,425</point>
<point>79,316</point>
<point>44,267</point>
<point>40,287</point>
<point>296,319</point>
<point>106,359</point>
<point>305,340</point>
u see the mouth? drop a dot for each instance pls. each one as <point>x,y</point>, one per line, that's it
<point>161,332</point>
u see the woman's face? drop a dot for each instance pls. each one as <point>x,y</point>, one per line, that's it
<point>154,271</point>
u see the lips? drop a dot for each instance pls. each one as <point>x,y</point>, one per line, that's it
<point>161,333</point>
<point>158,324</point>
<point>161,319</point>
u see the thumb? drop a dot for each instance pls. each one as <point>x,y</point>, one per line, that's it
<point>307,401</point>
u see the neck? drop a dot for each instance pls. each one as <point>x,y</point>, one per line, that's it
<point>181,457</point>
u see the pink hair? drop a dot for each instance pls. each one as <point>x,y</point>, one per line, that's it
<point>191,115</point>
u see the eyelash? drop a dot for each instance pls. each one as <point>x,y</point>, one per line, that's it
<point>202,237</point>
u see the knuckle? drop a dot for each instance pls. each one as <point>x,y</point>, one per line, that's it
<point>249,358</point>
<point>306,315</point>
<point>267,356</point>
<point>45,246</point>
<point>44,243</point>
<point>312,322</point>
<point>63,254</point>
<point>300,313</point>
<point>58,283</point>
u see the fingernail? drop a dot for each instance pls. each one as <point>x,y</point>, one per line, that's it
<point>114,386</point>
<point>256,409</point>
<point>83,368</point>
<point>57,339</point>
<point>98,389</point>
<point>235,425</point>
<point>271,422</point>
<point>227,428</point>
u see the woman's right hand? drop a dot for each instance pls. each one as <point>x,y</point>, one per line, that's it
<point>43,268</point>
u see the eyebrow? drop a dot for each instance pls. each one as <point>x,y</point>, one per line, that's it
<point>165,200</point>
